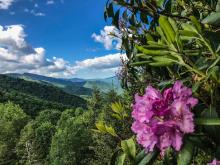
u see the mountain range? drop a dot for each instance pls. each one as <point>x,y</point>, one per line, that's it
<point>76,86</point>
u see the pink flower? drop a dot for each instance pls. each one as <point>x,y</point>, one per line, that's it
<point>161,120</point>
<point>214,162</point>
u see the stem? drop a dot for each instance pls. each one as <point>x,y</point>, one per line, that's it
<point>207,45</point>
<point>193,69</point>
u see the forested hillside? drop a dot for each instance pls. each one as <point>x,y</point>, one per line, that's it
<point>76,86</point>
<point>57,137</point>
<point>34,97</point>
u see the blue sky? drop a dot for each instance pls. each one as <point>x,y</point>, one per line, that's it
<point>67,33</point>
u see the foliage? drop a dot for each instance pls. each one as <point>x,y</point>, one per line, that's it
<point>34,97</point>
<point>165,41</point>
<point>35,139</point>
<point>12,120</point>
<point>71,140</point>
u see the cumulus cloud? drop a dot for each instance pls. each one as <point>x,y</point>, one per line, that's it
<point>5,4</point>
<point>16,55</point>
<point>105,62</point>
<point>99,67</point>
<point>105,37</point>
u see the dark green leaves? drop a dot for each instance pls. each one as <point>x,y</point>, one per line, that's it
<point>206,121</point>
<point>186,154</point>
<point>212,19</point>
<point>120,159</point>
<point>148,158</point>
<point>128,146</point>
<point>160,3</point>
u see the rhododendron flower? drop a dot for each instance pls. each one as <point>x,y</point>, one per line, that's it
<point>214,162</point>
<point>162,119</point>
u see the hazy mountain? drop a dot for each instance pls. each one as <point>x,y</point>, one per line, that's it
<point>75,86</point>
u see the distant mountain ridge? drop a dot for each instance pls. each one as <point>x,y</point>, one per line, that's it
<point>75,86</point>
<point>34,97</point>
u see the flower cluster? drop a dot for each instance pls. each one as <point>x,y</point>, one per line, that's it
<point>161,120</point>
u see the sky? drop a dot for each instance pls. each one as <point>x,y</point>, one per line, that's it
<point>58,38</point>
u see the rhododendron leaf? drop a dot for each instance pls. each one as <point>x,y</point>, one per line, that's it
<point>196,23</point>
<point>149,158</point>
<point>196,86</point>
<point>208,121</point>
<point>117,107</point>
<point>167,29</point>
<point>117,116</point>
<point>105,129</point>
<point>186,154</point>
<point>114,157</point>
<point>120,160</point>
<point>101,127</point>
<point>160,3</point>
<point>111,130</point>
<point>212,19</point>
<point>140,156</point>
<point>129,147</point>
<point>212,130</point>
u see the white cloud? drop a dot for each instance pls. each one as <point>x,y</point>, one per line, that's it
<point>105,37</point>
<point>105,62</point>
<point>5,4</point>
<point>99,67</point>
<point>50,2</point>
<point>16,55</point>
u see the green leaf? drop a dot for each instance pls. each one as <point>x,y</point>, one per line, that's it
<point>140,63</point>
<point>196,86</point>
<point>196,23</point>
<point>114,157</point>
<point>167,29</point>
<point>212,130</point>
<point>186,154</point>
<point>173,24</point>
<point>205,121</point>
<point>140,156</point>
<point>149,158</point>
<point>218,6</point>
<point>101,127</point>
<point>120,160</point>
<point>213,19</point>
<point>160,3</point>
<point>117,116</point>
<point>161,61</point>
<point>111,130</point>
<point>188,33</point>
<point>117,107</point>
<point>129,147</point>
<point>149,51</point>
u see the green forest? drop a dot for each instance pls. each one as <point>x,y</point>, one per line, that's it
<point>41,124</point>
